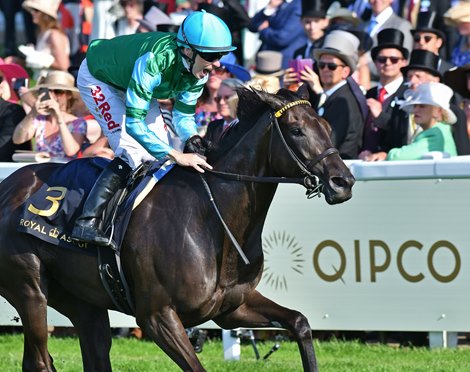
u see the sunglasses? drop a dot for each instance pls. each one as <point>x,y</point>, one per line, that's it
<point>218,99</point>
<point>393,60</point>
<point>211,56</point>
<point>427,38</point>
<point>331,65</point>
<point>58,91</point>
<point>219,70</point>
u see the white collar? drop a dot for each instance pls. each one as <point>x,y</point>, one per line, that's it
<point>330,91</point>
<point>383,16</point>
<point>393,86</point>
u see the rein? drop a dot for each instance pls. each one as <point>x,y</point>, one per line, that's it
<point>310,181</point>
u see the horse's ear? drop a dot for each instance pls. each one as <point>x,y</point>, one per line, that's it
<point>303,92</point>
<point>271,99</point>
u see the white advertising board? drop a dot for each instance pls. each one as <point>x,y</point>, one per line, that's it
<point>394,257</point>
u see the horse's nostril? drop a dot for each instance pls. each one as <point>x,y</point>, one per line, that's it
<point>341,182</point>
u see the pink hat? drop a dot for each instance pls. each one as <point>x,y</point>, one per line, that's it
<point>11,71</point>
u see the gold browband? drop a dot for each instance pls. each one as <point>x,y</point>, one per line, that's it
<point>279,113</point>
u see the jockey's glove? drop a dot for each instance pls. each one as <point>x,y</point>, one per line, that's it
<point>197,144</point>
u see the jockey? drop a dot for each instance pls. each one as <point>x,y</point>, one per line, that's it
<point>120,81</point>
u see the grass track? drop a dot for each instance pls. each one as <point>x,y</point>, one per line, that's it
<point>133,355</point>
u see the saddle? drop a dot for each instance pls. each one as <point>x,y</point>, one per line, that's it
<point>50,212</point>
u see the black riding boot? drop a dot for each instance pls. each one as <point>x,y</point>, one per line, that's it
<point>88,226</point>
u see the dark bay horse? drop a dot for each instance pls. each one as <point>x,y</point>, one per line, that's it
<point>181,267</point>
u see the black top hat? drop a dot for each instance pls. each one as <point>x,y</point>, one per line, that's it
<point>390,38</point>
<point>423,60</point>
<point>456,78</point>
<point>313,8</point>
<point>425,23</point>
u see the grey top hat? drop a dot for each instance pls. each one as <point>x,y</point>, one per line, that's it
<point>269,62</point>
<point>341,44</point>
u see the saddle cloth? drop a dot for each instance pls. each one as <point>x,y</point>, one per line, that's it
<point>49,213</point>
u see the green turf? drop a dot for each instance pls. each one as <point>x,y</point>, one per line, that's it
<point>135,355</point>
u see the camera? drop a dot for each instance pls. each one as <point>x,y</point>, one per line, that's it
<point>299,65</point>
<point>18,83</point>
<point>46,96</point>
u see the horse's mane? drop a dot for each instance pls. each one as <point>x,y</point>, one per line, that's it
<point>252,104</point>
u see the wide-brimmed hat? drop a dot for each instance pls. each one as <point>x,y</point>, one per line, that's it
<point>435,94</point>
<point>390,38</point>
<point>48,7</point>
<point>313,8</point>
<point>229,61</point>
<point>457,14</point>
<point>337,13</point>
<point>341,44</point>
<point>154,17</point>
<point>425,23</point>
<point>12,71</point>
<point>269,62</point>
<point>59,80</point>
<point>423,60</point>
<point>456,78</point>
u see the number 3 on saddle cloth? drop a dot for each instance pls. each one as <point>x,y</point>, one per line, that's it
<point>49,213</point>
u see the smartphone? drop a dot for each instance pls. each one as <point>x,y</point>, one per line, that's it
<point>299,65</point>
<point>46,96</point>
<point>19,82</point>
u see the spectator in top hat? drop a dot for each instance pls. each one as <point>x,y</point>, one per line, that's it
<point>314,23</point>
<point>384,17</point>
<point>426,37</point>
<point>278,28</point>
<point>410,10</point>
<point>267,71</point>
<point>346,20</point>
<point>336,61</point>
<point>401,128</point>
<point>458,79</point>
<point>389,57</point>
<point>459,16</point>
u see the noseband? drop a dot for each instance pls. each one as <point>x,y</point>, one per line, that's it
<point>311,182</point>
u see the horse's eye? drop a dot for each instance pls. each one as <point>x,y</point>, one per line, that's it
<point>296,131</point>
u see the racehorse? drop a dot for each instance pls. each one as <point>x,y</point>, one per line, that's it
<point>180,264</point>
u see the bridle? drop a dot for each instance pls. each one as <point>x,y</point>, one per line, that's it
<point>311,182</point>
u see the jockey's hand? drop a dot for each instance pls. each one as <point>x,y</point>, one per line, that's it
<point>189,160</point>
<point>196,144</point>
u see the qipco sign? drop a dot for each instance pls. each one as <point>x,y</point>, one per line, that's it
<point>376,248</point>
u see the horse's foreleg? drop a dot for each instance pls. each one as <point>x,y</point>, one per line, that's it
<point>31,303</point>
<point>166,329</point>
<point>91,324</point>
<point>258,312</point>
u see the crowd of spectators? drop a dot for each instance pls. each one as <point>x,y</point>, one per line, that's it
<point>365,56</point>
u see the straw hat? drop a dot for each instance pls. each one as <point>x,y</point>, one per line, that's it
<point>48,7</point>
<point>434,94</point>
<point>341,44</point>
<point>337,13</point>
<point>59,80</point>
<point>457,14</point>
